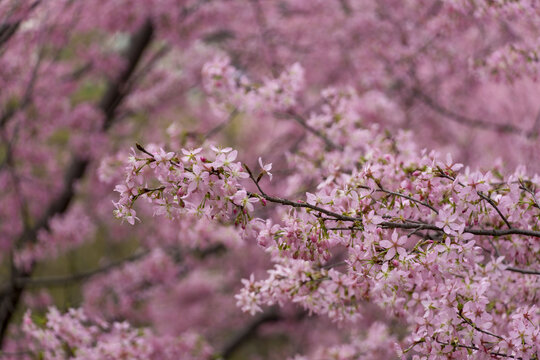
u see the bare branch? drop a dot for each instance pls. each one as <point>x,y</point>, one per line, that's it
<point>525,188</point>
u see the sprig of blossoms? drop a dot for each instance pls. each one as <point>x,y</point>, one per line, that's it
<point>203,183</point>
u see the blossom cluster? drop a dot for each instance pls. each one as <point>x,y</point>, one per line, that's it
<point>77,336</point>
<point>431,241</point>
<point>229,88</point>
<point>195,183</point>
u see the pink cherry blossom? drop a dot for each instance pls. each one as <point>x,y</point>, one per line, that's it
<point>394,246</point>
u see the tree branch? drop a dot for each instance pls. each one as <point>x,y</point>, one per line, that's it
<point>411,225</point>
<point>8,114</point>
<point>492,203</point>
<point>523,271</point>
<point>109,104</point>
<point>116,91</point>
<point>247,333</point>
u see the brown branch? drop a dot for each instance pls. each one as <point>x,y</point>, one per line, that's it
<point>333,265</point>
<point>410,225</point>
<point>332,214</point>
<point>523,271</point>
<point>488,199</point>
<point>523,187</point>
<point>393,225</point>
<point>7,30</point>
<point>148,66</point>
<point>346,7</point>
<point>116,91</point>
<point>483,232</point>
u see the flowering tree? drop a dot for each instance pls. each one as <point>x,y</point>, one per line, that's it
<point>278,180</point>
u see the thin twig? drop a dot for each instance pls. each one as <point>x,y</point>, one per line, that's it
<point>492,203</point>
<point>479,193</point>
<point>420,227</point>
<point>468,321</point>
<point>332,265</point>
<point>405,197</point>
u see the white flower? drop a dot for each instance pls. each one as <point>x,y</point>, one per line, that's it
<point>266,168</point>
